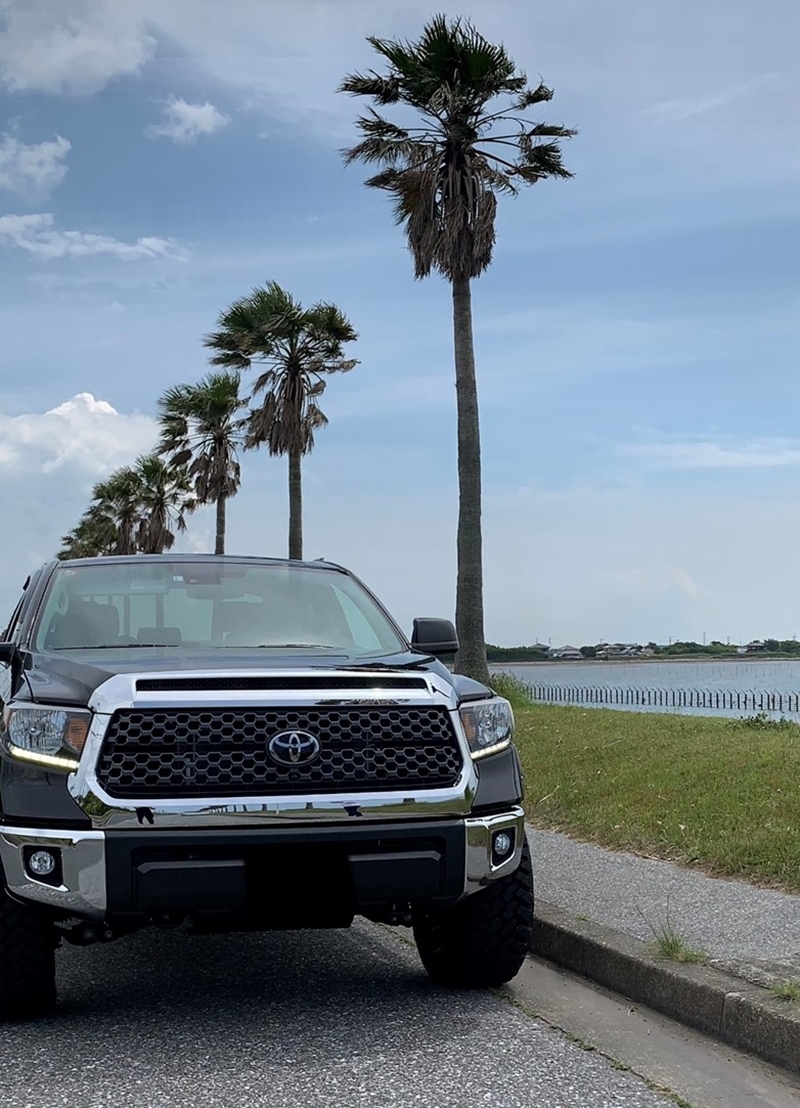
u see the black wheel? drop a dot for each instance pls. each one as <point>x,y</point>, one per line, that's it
<point>483,940</point>
<point>27,961</point>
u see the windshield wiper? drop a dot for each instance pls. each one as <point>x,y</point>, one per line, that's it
<point>115,646</point>
<point>299,646</point>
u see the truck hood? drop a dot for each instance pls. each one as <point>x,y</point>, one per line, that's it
<point>70,677</point>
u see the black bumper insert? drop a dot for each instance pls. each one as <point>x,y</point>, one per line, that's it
<point>284,876</point>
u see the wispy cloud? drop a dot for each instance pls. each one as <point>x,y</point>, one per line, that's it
<point>184,122</point>
<point>32,169</point>
<point>689,107</point>
<point>38,235</point>
<point>658,580</point>
<point>705,453</point>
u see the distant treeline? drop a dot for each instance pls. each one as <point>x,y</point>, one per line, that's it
<point>675,649</point>
<point>515,654</point>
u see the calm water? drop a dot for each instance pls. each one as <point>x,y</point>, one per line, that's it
<point>751,676</point>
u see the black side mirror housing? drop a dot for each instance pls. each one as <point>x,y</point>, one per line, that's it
<point>8,653</point>
<point>434,636</point>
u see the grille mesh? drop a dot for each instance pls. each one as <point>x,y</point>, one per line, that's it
<point>223,751</point>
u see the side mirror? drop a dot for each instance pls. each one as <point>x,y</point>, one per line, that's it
<point>8,653</point>
<point>434,636</point>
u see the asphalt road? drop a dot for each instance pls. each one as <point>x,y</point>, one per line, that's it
<point>343,1018</point>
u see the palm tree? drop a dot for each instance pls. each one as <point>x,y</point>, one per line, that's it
<point>164,498</point>
<point>117,501</point>
<point>473,143</point>
<point>93,535</point>
<point>298,347</point>
<point>201,428</point>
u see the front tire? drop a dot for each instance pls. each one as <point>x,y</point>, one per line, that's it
<point>27,962</point>
<point>484,939</point>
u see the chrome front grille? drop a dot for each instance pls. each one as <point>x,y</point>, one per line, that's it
<point>149,753</point>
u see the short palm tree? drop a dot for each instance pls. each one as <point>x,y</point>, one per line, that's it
<point>201,428</point>
<point>93,535</point>
<point>164,498</point>
<point>472,143</point>
<point>117,501</point>
<point>298,348</point>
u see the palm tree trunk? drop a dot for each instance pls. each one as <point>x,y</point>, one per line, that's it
<point>471,657</point>
<point>219,542</point>
<point>295,506</point>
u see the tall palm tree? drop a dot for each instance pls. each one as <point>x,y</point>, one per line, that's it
<point>164,498</point>
<point>472,142</point>
<point>201,428</point>
<point>298,348</point>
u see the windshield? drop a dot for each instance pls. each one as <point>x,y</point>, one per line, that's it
<point>219,605</point>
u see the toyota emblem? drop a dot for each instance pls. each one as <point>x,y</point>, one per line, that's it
<point>293,748</point>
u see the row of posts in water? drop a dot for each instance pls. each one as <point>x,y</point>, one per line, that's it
<point>724,699</point>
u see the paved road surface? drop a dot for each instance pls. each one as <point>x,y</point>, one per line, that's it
<point>326,1018</point>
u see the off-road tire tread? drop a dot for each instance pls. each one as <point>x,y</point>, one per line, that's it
<point>27,962</point>
<point>484,940</point>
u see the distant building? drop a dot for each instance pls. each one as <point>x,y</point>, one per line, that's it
<point>755,647</point>
<point>623,650</point>
<point>566,654</point>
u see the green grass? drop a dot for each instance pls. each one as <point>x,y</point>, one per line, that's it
<point>786,990</point>
<point>719,794</point>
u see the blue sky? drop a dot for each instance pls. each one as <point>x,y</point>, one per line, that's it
<point>636,337</point>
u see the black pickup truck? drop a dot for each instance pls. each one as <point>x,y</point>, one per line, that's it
<point>223,743</point>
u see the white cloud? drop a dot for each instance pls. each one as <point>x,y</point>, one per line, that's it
<point>87,435</point>
<point>38,235</point>
<point>708,454</point>
<point>184,122</point>
<point>72,46</point>
<point>32,169</point>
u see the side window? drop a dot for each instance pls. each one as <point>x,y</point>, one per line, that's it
<point>13,623</point>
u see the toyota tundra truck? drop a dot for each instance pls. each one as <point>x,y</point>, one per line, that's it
<point>222,743</point>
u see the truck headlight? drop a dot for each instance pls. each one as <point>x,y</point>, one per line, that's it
<point>488,725</point>
<point>50,737</point>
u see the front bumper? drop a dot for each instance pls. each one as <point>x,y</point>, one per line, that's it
<point>149,873</point>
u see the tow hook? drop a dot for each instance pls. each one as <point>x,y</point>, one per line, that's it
<point>85,934</point>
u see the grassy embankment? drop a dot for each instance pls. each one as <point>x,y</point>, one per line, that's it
<point>716,793</point>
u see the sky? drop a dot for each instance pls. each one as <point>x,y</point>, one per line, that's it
<point>637,335</point>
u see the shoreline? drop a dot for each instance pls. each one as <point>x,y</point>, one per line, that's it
<point>699,659</point>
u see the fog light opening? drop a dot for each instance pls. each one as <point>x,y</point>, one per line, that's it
<point>502,845</point>
<point>42,863</point>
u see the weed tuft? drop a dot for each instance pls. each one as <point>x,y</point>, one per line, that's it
<point>762,721</point>
<point>786,990</point>
<point>669,943</point>
<point>514,690</point>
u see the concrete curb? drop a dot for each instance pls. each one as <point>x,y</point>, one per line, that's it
<point>740,1014</point>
